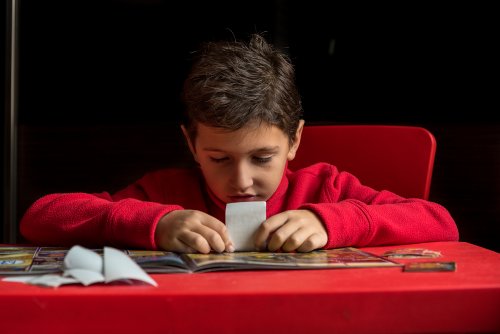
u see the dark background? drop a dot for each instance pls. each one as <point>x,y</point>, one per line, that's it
<point>99,85</point>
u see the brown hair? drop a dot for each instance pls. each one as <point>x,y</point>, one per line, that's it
<point>232,84</point>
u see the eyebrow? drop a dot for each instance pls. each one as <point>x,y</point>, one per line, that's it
<point>265,149</point>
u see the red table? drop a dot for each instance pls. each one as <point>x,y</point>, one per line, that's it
<point>367,300</point>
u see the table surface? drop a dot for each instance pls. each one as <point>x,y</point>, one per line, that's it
<point>375,300</point>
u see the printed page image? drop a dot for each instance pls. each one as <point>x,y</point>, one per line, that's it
<point>16,259</point>
<point>159,261</point>
<point>48,260</point>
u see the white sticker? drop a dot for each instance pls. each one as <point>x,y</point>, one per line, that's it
<point>242,221</point>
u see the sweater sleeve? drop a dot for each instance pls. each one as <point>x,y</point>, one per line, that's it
<point>125,219</point>
<point>357,215</point>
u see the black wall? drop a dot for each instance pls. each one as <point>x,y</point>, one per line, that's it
<point>100,80</point>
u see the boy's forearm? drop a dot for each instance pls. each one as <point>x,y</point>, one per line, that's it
<point>92,220</point>
<point>353,223</point>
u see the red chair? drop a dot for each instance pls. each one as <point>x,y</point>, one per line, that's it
<point>395,158</point>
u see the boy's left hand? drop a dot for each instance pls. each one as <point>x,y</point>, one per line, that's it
<point>293,230</point>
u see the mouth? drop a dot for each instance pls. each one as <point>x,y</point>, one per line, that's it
<point>243,198</point>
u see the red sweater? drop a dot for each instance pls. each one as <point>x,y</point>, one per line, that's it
<point>353,214</point>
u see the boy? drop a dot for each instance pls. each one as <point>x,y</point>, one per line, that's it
<point>243,125</point>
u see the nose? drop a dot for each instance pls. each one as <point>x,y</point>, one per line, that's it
<point>241,177</point>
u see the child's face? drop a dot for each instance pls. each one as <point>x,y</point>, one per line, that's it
<point>243,165</point>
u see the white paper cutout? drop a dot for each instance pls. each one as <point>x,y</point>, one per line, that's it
<point>82,258</point>
<point>118,265</point>
<point>85,266</point>
<point>242,221</point>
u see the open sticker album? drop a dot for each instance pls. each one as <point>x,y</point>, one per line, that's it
<point>43,260</point>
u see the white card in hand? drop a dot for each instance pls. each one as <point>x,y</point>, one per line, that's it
<point>242,221</point>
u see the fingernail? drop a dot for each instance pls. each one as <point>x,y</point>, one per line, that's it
<point>230,248</point>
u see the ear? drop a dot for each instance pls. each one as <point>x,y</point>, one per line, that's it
<point>189,142</point>
<point>296,141</point>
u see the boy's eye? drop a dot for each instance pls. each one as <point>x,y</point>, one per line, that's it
<point>262,160</point>
<point>256,159</point>
<point>218,160</point>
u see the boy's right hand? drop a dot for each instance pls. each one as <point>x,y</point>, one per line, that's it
<point>191,231</point>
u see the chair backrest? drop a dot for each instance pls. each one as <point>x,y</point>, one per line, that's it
<point>395,158</point>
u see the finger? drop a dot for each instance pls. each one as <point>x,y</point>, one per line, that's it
<point>295,240</point>
<point>176,246</point>
<point>181,247</point>
<point>218,226</point>
<point>195,241</point>
<point>313,242</point>
<point>267,228</point>
<point>213,238</point>
<point>290,230</point>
